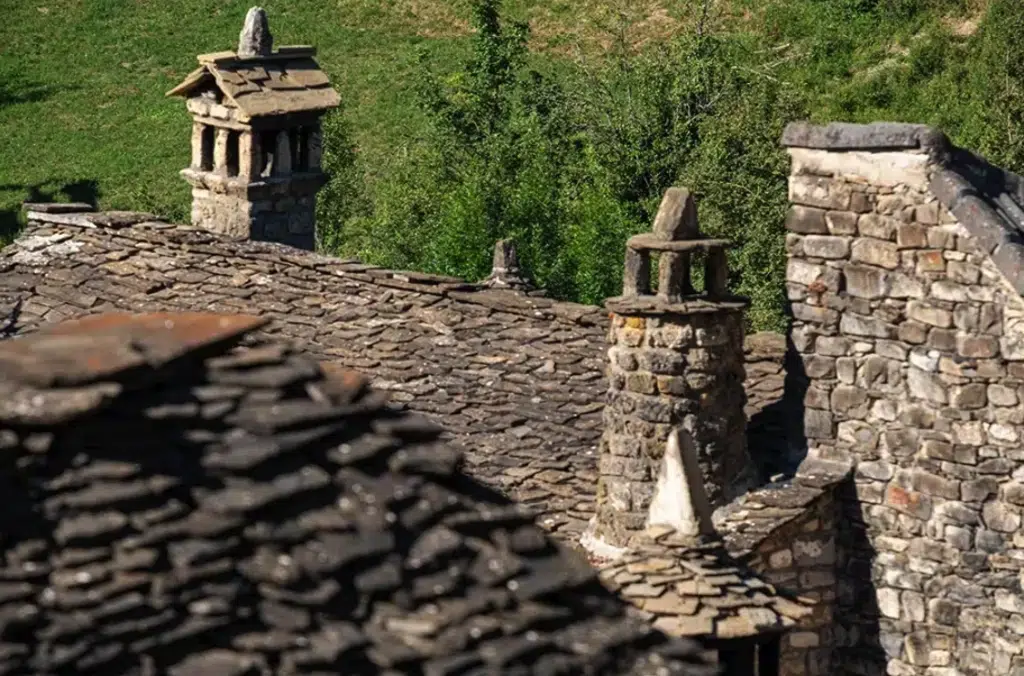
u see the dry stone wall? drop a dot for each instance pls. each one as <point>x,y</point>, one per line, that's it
<point>910,337</point>
<point>182,498</point>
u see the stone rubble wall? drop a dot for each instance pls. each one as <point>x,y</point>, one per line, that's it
<point>666,372</point>
<point>912,345</point>
<point>178,505</point>
<point>786,532</point>
<point>518,381</point>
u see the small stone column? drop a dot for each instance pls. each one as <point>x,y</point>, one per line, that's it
<point>675,364</point>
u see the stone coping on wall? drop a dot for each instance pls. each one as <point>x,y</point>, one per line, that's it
<point>753,518</point>
<point>987,200</point>
<point>692,587</point>
<point>185,497</point>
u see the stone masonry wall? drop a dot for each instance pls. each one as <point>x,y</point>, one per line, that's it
<point>664,372</point>
<point>911,342</point>
<point>786,531</point>
<point>288,220</point>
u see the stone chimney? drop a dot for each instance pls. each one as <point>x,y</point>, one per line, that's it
<point>675,367</point>
<point>256,138</point>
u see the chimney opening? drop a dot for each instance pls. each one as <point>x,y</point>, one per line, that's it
<point>208,141</point>
<point>297,138</point>
<point>268,147</point>
<point>232,152</point>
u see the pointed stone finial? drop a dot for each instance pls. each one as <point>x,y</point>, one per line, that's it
<point>679,499</point>
<point>677,216</point>
<point>255,38</point>
<point>505,268</point>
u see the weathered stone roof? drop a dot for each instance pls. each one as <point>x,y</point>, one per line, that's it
<point>692,587</point>
<point>517,380</point>
<point>287,81</point>
<point>987,200</point>
<point>182,497</point>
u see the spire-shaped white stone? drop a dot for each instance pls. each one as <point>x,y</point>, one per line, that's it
<point>255,38</point>
<point>680,501</point>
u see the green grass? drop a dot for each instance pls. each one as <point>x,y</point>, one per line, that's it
<point>82,82</point>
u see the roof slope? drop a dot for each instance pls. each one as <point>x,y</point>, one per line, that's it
<point>517,380</point>
<point>288,81</point>
<point>174,505</point>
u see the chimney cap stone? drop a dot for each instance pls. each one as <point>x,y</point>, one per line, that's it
<point>255,38</point>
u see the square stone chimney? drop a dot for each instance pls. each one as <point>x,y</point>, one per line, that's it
<point>256,138</point>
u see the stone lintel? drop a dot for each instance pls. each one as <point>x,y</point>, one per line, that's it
<point>57,207</point>
<point>295,185</point>
<point>841,136</point>
<point>652,305</point>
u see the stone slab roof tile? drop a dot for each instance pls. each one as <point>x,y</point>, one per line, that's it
<point>690,587</point>
<point>252,513</point>
<point>288,81</point>
<point>517,381</point>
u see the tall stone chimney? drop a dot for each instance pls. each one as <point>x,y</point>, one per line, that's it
<point>256,138</point>
<point>675,364</point>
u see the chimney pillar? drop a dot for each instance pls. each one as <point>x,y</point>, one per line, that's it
<point>675,366</point>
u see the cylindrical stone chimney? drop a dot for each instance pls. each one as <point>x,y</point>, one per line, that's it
<point>675,363</point>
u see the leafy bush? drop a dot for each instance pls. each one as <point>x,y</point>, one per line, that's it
<point>570,162</point>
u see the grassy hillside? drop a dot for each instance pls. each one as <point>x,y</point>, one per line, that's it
<point>82,82</point>
<point>84,117</point>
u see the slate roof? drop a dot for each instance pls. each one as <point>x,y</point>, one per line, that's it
<point>987,200</point>
<point>517,381</point>
<point>183,497</point>
<point>692,587</point>
<point>288,81</point>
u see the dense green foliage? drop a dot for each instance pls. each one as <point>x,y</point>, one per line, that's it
<point>570,158</point>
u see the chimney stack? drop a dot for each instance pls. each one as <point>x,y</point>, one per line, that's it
<point>256,138</point>
<point>675,373</point>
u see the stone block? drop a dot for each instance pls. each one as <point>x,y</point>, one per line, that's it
<point>806,220</point>
<point>963,272</point>
<point>832,346</point>
<point>970,396</point>
<point>943,340</point>
<point>814,313</point>
<point>930,261</point>
<point>851,401</point>
<point>826,246</point>
<point>977,347</point>
<point>877,226</point>
<point>927,214</point>
<point>911,236</point>
<point>905,286</point>
<point>888,602</point>
<point>1000,395</point>
<point>926,386</point>
<point>865,281</point>
<point>857,325</point>
<point>875,252</point>
<point>816,191</point>
<point>818,424</point>
<point>1001,517</point>
<point>949,291</point>
<point>841,222</point>
<point>912,332</point>
<point>926,313</point>
<point>819,277</point>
